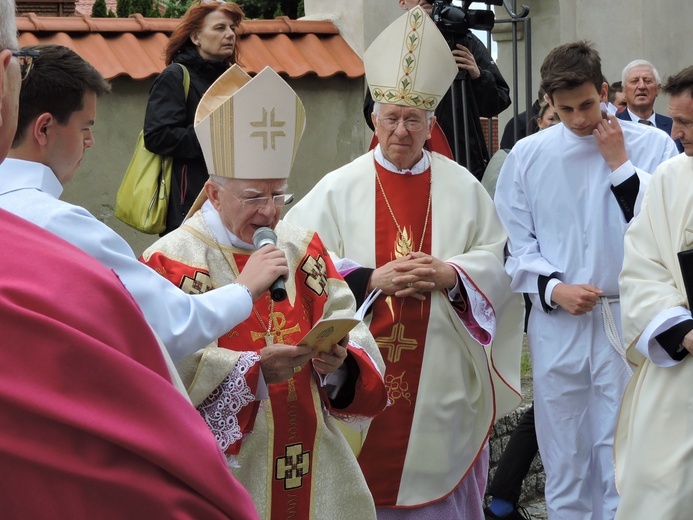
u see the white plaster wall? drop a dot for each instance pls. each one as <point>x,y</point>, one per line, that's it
<point>119,119</point>
<point>359,21</point>
<point>334,136</point>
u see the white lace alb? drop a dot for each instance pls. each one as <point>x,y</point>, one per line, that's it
<point>221,407</point>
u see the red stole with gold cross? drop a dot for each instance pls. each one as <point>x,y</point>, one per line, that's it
<point>293,407</point>
<point>399,326</point>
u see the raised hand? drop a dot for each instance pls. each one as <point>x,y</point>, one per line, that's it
<point>610,141</point>
<point>262,268</point>
<point>465,61</point>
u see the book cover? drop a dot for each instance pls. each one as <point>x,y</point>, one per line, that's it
<point>330,331</point>
<point>686,264</point>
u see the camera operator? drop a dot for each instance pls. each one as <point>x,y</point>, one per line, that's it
<point>487,96</point>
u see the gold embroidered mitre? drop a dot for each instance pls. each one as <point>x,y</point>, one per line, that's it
<point>249,128</point>
<point>410,63</point>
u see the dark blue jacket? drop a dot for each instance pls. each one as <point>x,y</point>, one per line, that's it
<point>663,123</point>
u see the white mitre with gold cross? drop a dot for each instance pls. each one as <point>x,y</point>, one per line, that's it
<point>249,128</point>
<point>410,63</point>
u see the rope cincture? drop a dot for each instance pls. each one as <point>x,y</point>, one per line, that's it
<point>612,331</point>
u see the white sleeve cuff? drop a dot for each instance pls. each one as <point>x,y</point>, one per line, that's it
<point>648,345</point>
<point>262,391</point>
<point>454,293</point>
<point>480,308</point>
<point>549,290</point>
<point>333,382</point>
<point>622,173</point>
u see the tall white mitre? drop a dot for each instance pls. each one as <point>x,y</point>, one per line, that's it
<point>410,63</point>
<point>249,128</point>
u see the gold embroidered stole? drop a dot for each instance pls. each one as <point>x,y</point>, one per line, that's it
<point>399,326</point>
<point>292,416</point>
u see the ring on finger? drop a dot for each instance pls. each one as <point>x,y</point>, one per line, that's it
<point>410,284</point>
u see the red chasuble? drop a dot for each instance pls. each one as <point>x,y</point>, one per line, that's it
<point>399,327</point>
<point>295,412</point>
<point>90,424</point>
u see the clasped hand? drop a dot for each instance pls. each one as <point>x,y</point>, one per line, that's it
<point>413,275</point>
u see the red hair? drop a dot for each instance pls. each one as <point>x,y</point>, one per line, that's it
<point>192,22</point>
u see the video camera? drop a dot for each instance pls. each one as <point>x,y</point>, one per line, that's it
<point>455,22</point>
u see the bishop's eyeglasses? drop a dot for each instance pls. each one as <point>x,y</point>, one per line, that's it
<point>390,123</point>
<point>258,202</point>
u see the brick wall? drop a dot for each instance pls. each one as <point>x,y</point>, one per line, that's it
<point>484,127</point>
<point>46,7</point>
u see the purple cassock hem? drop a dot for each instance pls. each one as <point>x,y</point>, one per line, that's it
<point>466,501</point>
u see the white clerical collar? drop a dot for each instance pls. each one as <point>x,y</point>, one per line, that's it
<point>637,118</point>
<point>219,230</point>
<point>420,167</point>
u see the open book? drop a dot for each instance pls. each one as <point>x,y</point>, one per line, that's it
<point>330,331</point>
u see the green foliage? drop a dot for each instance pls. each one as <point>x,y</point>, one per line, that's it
<point>111,14</point>
<point>176,8</point>
<point>99,9</point>
<point>253,9</point>
<point>269,9</point>
<point>144,7</point>
<point>123,8</point>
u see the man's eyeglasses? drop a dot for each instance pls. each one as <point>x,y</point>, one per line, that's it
<point>390,123</point>
<point>258,202</point>
<point>26,60</point>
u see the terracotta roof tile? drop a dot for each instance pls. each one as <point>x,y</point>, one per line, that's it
<point>134,46</point>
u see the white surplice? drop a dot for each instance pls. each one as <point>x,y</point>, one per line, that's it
<point>554,198</point>
<point>477,383</point>
<point>654,444</point>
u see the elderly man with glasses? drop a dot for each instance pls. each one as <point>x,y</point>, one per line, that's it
<point>58,106</point>
<point>421,229</point>
<point>283,443</point>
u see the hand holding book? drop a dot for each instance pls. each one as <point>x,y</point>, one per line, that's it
<point>330,331</point>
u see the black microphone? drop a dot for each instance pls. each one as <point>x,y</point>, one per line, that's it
<point>262,237</point>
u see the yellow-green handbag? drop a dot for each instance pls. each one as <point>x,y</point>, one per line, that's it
<point>142,200</point>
